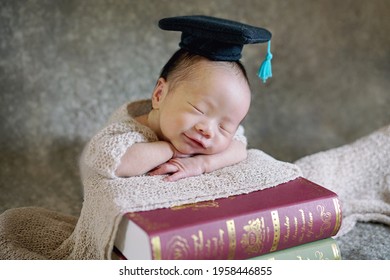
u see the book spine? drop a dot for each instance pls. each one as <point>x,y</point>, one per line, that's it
<point>117,254</point>
<point>252,234</point>
<point>325,249</point>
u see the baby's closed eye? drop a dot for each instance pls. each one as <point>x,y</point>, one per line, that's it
<point>196,108</point>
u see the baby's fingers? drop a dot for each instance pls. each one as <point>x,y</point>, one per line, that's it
<point>174,177</point>
<point>163,169</point>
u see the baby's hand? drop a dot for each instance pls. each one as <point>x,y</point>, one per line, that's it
<point>178,154</point>
<point>179,168</point>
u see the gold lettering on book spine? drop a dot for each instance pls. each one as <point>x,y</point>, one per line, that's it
<point>156,247</point>
<point>276,224</point>
<point>231,229</point>
<point>286,237</point>
<point>326,218</point>
<point>198,242</point>
<point>337,209</point>
<point>319,255</point>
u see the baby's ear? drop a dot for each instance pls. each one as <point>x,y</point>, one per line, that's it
<point>159,92</point>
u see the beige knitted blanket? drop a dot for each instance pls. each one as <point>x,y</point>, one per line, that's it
<point>33,233</point>
<point>358,172</point>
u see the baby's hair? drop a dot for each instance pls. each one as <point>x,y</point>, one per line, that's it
<point>182,62</point>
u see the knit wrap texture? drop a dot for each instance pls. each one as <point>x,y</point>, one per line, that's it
<point>358,172</point>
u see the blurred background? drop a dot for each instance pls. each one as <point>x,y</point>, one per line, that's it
<point>65,66</point>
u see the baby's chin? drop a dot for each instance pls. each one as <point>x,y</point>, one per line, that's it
<point>186,151</point>
<point>191,152</point>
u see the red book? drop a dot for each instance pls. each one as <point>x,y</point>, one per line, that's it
<point>237,227</point>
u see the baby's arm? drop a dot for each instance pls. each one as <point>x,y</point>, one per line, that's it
<point>121,149</point>
<point>235,153</point>
<point>179,168</point>
<point>143,157</point>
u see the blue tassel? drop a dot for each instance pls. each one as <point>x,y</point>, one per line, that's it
<point>265,70</point>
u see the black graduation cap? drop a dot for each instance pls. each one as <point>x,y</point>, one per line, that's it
<point>218,39</point>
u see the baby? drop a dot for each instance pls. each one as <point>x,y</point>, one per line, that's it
<point>197,106</point>
<point>192,123</point>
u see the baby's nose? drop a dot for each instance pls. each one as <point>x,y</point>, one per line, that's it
<point>205,129</point>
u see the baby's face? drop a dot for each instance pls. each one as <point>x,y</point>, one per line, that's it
<point>200,115</point>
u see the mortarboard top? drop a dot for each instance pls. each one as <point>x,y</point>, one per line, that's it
<point>218,39</point>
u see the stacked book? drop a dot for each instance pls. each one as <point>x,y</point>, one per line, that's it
<point>294,220</point>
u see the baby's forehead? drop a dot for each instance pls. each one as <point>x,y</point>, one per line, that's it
<point>203,68</point>
<point>225,98</point>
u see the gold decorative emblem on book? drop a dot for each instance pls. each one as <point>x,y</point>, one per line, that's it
<point>178,248</point>
<point>231,228</point>
<point>276,225</point>
<point>336,252</point>
<point>254,237</point>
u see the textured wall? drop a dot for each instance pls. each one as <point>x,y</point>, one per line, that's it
<point>66,65</point>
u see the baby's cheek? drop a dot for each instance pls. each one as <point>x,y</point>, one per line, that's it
<point>221,145</point>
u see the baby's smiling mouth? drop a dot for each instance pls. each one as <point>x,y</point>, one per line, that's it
<point>195,142</point>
